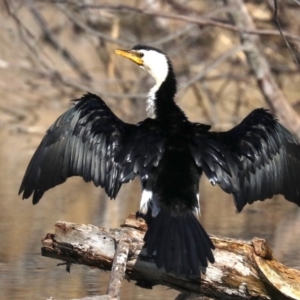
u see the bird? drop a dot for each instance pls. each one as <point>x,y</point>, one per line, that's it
<point>253,161</point>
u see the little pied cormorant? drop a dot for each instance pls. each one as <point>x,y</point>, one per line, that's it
<point>253,161</point>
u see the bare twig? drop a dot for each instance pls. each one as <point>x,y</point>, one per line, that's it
<point>196,20</point>
<point>14,17</point>
<point>172,36</point>
<point>212,66</point>
<point>26,37</point>
<point>75,19</point>
<point>212,103</point>
<point>69,58</point>
<point>260,67</point>
<point>296,1</point>
<point>282,34</point>
<point>84,87</point>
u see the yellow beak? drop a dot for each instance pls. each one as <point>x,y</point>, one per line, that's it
<point>132,55</point>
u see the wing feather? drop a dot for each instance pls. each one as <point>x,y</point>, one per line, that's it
<point>82,142</point>
<point>142,152</point>
<point>89,141</point>
<point>255,160</point>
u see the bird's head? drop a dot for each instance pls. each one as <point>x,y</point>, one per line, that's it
<point>154,61</point>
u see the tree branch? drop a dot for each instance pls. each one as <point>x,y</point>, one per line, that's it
<point>242,270</point>
<point>260,67</point>
<point>196,20</point>
<point>68,57</point>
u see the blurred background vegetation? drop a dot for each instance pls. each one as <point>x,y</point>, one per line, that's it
<point>55,51</point>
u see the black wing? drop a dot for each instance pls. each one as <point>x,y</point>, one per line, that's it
<point>89,141</point>
<point>83,141</point>
<point>255,160</point>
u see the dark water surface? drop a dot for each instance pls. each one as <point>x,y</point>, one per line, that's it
<point>24,274</point>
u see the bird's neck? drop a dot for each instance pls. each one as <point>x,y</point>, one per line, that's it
<point>160,102</point>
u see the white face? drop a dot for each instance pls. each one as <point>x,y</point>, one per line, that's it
<point>156,64</point>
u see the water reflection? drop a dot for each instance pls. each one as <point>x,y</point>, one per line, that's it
<point>24,274</point>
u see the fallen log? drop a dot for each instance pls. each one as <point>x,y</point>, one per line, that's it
<point>243,270</point>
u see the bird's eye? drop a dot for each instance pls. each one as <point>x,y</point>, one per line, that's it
<point>140,54</point>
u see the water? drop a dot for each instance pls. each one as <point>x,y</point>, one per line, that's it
<point>25,274</point>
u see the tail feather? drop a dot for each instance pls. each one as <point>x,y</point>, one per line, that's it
<point>162,246</point>
<point>179,243</point>
<point>178,253</point>
<point>183,259</point>
<point>200,236</point>
<point>192,247</point>
<point>156,232</point>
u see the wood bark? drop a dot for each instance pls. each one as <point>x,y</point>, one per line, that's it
<point>243,270</point>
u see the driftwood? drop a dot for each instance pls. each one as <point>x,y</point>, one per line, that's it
<point>243,270</point>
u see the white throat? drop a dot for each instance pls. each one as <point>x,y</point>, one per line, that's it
<point>150,103</point>
<point>156,64</point>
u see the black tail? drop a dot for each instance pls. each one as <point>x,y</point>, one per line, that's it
<point>179,244</point>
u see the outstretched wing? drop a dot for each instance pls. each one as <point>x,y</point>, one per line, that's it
<point>83,141</point>
<point>255,160</point>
